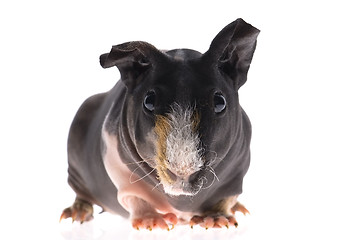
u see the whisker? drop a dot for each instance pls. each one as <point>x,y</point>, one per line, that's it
<point>130,177</point>
<point>200,188</point>
<point>137,162</point>
<point>156,186</point>
<point>214,173</point>
<point>214,158</point>
<point>130,180</point>
<point>214,178</point>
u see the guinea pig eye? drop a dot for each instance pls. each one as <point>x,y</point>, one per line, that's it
<point>149,101</point>
<point>219,103</point>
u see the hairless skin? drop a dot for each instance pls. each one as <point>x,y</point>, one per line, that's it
<point>169,143</point>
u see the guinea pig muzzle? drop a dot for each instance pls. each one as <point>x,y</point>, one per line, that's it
<point>179,154</point>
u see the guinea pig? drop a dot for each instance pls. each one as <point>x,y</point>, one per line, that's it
<point>169,143</point>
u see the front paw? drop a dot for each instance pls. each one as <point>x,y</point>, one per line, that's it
<point>213,221</point>
<point>155,220</point>
<point>219,219</point>
<point>80,211</point>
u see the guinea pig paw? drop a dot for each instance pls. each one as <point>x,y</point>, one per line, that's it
<point>216,221</point>
<point>80,211</point>
<point>240,208</point>
<point>154,221</point>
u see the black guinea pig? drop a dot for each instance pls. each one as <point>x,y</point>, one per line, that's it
<point>169,143</point>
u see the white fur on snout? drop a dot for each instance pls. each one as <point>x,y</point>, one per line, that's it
<point>183,152</point>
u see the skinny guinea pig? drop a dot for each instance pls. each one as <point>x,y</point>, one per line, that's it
<point>169,143</point>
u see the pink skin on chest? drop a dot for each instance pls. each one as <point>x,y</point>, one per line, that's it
<point>139,198</point>
<point>129,184</point>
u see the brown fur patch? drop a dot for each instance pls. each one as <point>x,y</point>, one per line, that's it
<point>196,118</point>
<point>162,128</point>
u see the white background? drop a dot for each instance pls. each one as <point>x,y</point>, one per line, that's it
<point>303,97</point>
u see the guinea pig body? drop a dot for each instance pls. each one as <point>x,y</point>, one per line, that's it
<point>170,142</point>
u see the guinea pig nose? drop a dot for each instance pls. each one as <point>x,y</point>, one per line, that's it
<point>171,175</point>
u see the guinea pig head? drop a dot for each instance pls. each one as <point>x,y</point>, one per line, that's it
<point>184,108</point>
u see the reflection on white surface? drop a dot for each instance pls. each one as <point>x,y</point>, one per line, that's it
<point>106,227</point>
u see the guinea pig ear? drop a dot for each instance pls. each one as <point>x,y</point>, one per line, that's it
<point>232,50</point>
<point>132,59</point>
